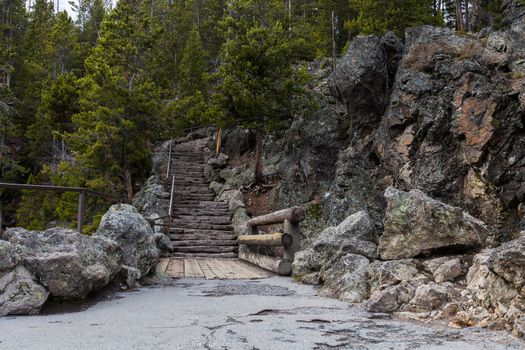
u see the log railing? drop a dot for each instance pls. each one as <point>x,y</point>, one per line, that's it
<point>80,190</point>
<point>290,239</point>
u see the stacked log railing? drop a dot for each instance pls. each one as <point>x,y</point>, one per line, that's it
<point>289,239</point>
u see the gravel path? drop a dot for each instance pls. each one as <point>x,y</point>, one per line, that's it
<point>266,314</point>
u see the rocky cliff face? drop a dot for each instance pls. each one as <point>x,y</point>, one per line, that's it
<point>443,113</point>
<point>423,139</point>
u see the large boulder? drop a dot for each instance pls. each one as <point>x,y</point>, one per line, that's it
<point>133,234</point>
<point>347,279</point>
<point>361,80</point>
<point>417,224</point>
<point>68,264</point>
<point>355,235</point>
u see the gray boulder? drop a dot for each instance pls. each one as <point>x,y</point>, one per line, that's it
<point>382,274</point>
<point>133,234</point>
<point>416,224</point>
<point>347,279</point>
<point>161,239</point>
<point>70,265</point>
<point>152,198</point>
<point>20,294</point>
<point>355,235</point>
<point>8,256</point>
<point>360,80</point>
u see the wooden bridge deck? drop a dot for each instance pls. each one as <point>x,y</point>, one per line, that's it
<point>211,268</point>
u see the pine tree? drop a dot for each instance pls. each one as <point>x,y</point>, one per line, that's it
<point>260,84</point>
<point>118,103</point>
<point>376,18</point>
<point>193,66</point>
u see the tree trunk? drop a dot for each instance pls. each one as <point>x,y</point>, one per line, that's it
<point>129,185</point>
<point>258,159</point>
<point>459,16</point>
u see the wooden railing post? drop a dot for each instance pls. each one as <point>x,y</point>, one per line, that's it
<point>80,215</point>
<point>293,230</point>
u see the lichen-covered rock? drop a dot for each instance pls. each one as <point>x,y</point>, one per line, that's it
<point>430,296</point>
<point>152,198</point>
<point>355,235</point>
<point>356,227</point>
<point>346,279</point>
<point>8,256</point>
<point>417,224</point>
<point>239,222</point>
<point>163,242</point>
<point>19,293</point>
<point>133,234</point>
<point>68,264</point>
<point>236,201</point>
<point>508,262</point>
<point>382,274</point>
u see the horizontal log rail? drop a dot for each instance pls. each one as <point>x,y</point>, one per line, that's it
<point>272,240</point>
<point>80,190</point>
<point>294,215</point>
<point>290,239</point>
<point>281,267</point>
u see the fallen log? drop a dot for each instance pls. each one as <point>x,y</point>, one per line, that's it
<point>271,240</point>
<point>276,265</point>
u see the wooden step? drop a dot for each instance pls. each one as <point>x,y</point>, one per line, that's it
<point>175,237</point>
<point>177,224</point>
<point>205,242</point>
<point>205,249</point>
<point>220,220</point>
<point>201,232</point>
<point>204,255</point>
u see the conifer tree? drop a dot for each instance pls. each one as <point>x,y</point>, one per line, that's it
<point>193,66</point>
<point>260,84</point>
<point>376,18</point>
<point>118,103</point>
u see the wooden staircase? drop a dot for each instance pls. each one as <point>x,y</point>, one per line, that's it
<point>200,227</point>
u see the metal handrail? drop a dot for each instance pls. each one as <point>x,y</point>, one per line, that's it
<point>168,167</point>
<point>80,190</point>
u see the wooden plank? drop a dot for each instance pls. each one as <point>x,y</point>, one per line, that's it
<point>208,272</point>
<point>271,240</point>
<point>162,266</point>
<point>175,268</point>
<point>192,269</point>
<point>226,269</point>
<point>279,266</point>
<point>240,271</point>
<point>220,271</point>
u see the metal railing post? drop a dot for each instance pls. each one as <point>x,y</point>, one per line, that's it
<point>80,215</point>
<point>168,168</point>
<point>171,196</point>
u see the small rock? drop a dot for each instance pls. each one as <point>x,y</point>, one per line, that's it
<point>448,271</point>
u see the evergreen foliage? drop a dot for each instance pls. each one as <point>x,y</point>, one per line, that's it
<point>82,100</point>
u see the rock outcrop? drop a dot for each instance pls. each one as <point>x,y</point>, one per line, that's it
<point>69,265</point>
<point>416,224</point>
<point>134,236</point>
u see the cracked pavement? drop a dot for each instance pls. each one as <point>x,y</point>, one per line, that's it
<point>274,313</point>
